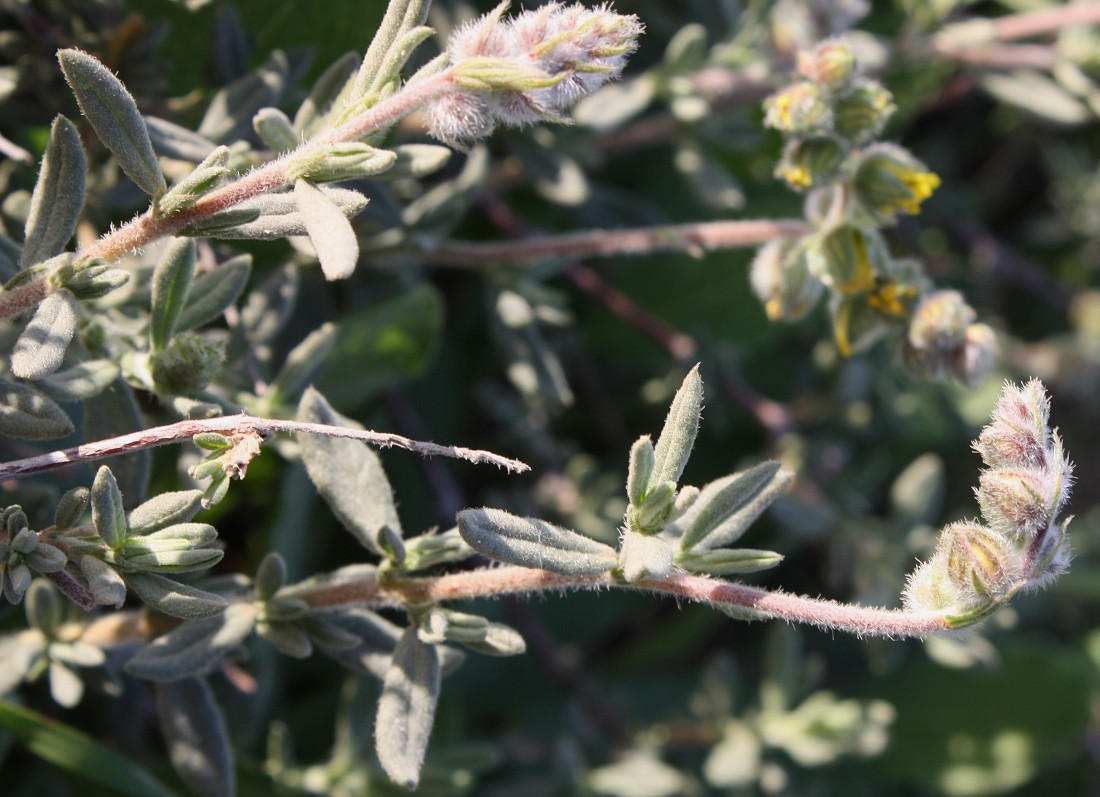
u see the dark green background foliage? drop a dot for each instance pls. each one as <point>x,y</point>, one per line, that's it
<point>624,694</point>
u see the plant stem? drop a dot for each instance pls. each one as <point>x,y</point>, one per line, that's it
<point>235,424</point>
<point>690,238</point>
<point>510,580</point>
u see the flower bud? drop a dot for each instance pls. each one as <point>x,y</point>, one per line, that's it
<point>940,322</point>
<point>981,560</point>
<point>857,325</point>
<point>188,363</point>
<point>1018,435</point>
<point>808,162</point>
<point>847,259</point>
<point>800,108</point>
<point>1018,501</point>
<point>889,181</point>
<point>861,114</point>
<point>979,354</point>
<point>781,279</point>
<point>831,64</point>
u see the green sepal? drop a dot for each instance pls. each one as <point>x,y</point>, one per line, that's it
<point>352,160</point>
<point>90,281</point>
<point>114,115</point>
<point>429,550</point>
<point>655,509</point>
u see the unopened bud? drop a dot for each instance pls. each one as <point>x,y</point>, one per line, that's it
<point>801,108</point>
<point>808,162</point>
<point>981,560</point>
<point>889,181</point>
<point>861,113</point>
<point>781,279</point>
<point>979,354</point>
<point>1018,501</point>
<point>1018,435</point>
<point>831,64</point>
<point>848,259</point>
<point>188,363</point>
<point>940,322</point>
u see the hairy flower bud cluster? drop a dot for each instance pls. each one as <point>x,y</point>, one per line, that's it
<point>1023,544</point>
<point>944,340</point>
<point>528,69</point>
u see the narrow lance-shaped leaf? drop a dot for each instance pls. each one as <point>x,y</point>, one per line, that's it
<point>81,381</point>
<point>329,231</point>
<point>26,414</point>
<point>211,293</point>
<point>348,475</point>
<point>311,114</point>
<point>115,117</point>
<point>197,737</point>
<point>678,435</point>
<point>302,361</point>
<point>727,507</point>
<point>406,709</point>
<point>534,543</point>
<point>639,469</point>
<point>58,195</point>
<point>171,287</point>
<point>728,561</point>
<point>173,598</point>
<point>41,347</point>
<point>205,177</point>
<point>108,516</point>
<point>195,648</point>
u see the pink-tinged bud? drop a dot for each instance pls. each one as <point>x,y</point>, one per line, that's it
<point>979,354</point>
<point>529,69</point>
<point>1018,435</point>
<point>1018,501</point>
<point>981,560</point>
<point>801,109</point>
<point>831,64</point>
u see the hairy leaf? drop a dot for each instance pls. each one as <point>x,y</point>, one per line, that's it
<point>311,115</point>
<point>176,141</point>
<point>194,648</point>
<point>108,514</point>
<point>79,754</point>
<point>211,293</point>
<point>728,561</point>
<point>114,115</point>
<point>71,507</point>
<point>202,179</point>
<point>329,231</point>
<point>727,507</point>
<point>301,363</point>
<point>678,434</point>
<point>406,709</point>
<point>534,543</point>
<point>272,216</point>
<point>229,115</point>
<point>348,475</point>
<point>197,737</point>
<point>274,129</point>
<point>81,381</point>
<point>111,412</point>
<point>644,556</point>
<point>106,585</point>
<point>171,286</point>
<point>165,510</point>
<point>640,469</point>
<point>41,347</point>
<point>26,414</point>
<point>173,598</point>
<point>58,195</point>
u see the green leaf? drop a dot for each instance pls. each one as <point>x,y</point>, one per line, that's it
<point>348,475</point>
<point>639,470</point>
<point>173,598</point>
<point>211,293</point>
<point>727,507</point>
<point>81,381</point>
<point>95,280</point>
<point>175,141</point>
<point>311,115</point>
<point>114,115</point>
<point>171,285</point>
<point>194,648</point>
<point>202,179</point>
<point>41,347</point>
<point>329,231</point>
<point>429,550</point>
<point>26,414</point>
<point>166,509</point>
<point>728,561</point>
<point>229,115</point>
<point>58,195</point>
<point>271,216</point>
<point>108,515</point>
<point>301,363</point>
<point>197,737</point>
<point>275,130</point>
<point>678,434</point>
<point>71,508</point>
<point>534,543</point>
<point>113,412</point>
<point>78,754</point>
<point>406,709</point>
<point>417,160</point>
<point>106,585</point>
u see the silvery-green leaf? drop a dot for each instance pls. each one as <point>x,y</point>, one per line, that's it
<point>734,762</point>
<point>175,141</point>
<point>66,688</point>
<point>202,179</point>
<point>171,286</point>
<point>728,561</point>
<point>400,52</point>
<point>187,561</point>
<point>18,653</point>
<point>284,608</point>
<point>644,556</point>
<point>655,509</point>
<point>194,648</point>
<point>348,475</point>
<point>270,576</point>
<point>678,434</point>
<point>274,129</point>
<point>113,412</point>
<point>329,231</point>
<point>727,507</point>
<point>41,346</point>
<point>351,160</point>
<point>378,637</point>
<point>287,638</point>
<point>639,470</point>
<point>26,414</point>
<point>166,509</point>
<point>395,22</point>
<point>10,254</point>
<point>229,115</point>
<point>534,543</point>
<point>311,115</point>
<point>71,508</point>
<point>212,292</point>
<point>95,280</point>
<point>81,381</point>
<point>406,709</point>
<point>393,545</point>
<point>429,550</point>
<point>114,115</point>
<point>46,559</point>
<point>173,598</point>
<point>302,362</point>
<point>272,216</point>
<point>43,607</point>
<point>106,585</point>
<point>58,195</point>
<point>417,160</point>
<point>326,634</point>
<point>108,514</point>
<point>443,205</point>
<point>39,270</point>
<point>196,735</point>
<point>77,654</point>
<point>614,104</point>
